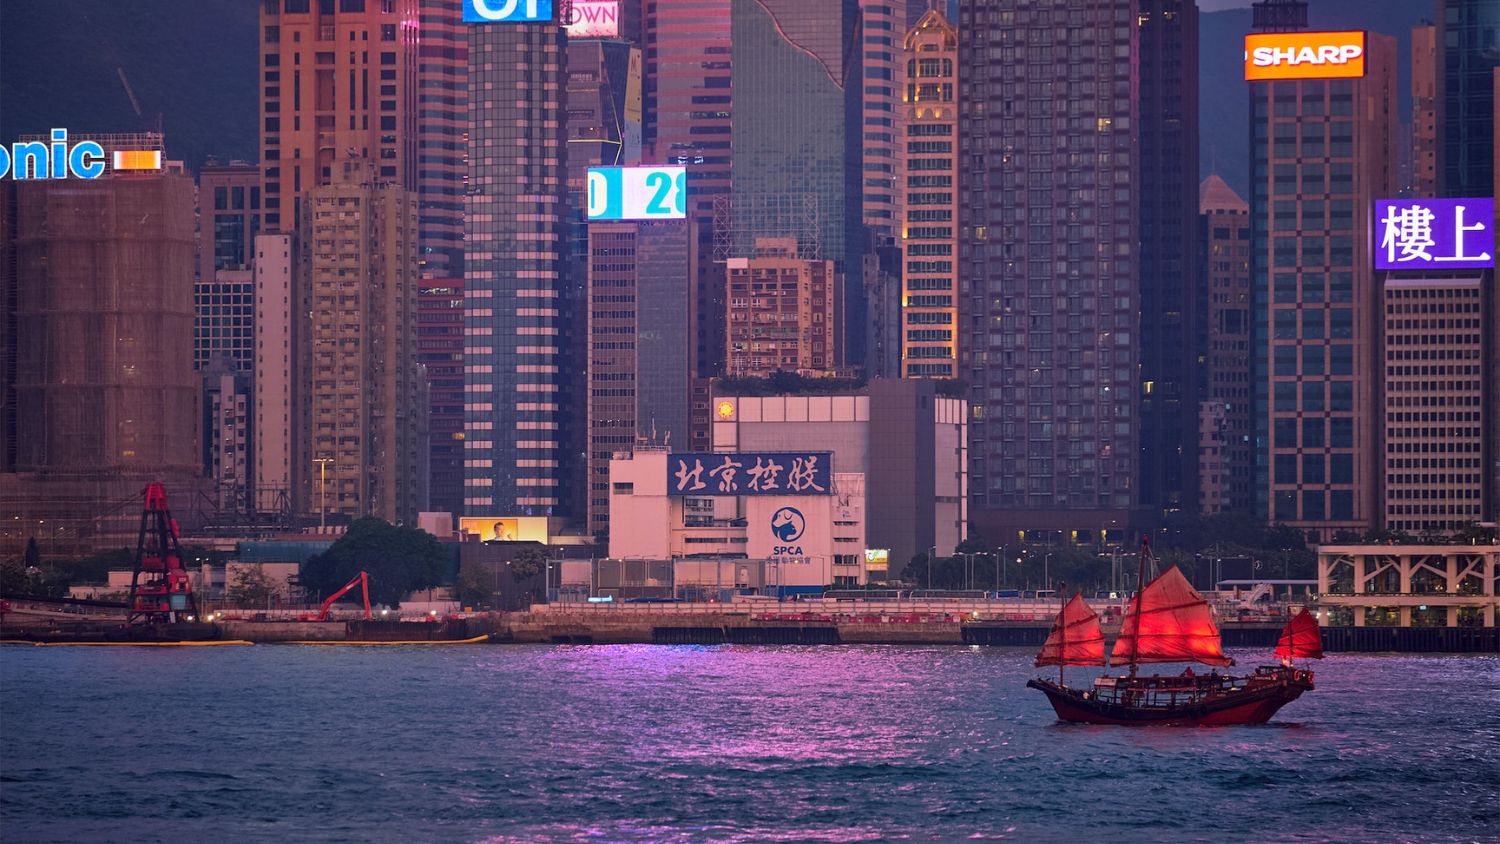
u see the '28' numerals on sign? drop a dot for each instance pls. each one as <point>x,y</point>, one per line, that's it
<point>637,193</point>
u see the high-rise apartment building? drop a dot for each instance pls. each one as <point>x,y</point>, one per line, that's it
<point>227,408</point>
<point>929,230</point>
<point>641,368</point>
<point>782,313</point>
<point>520,425</point>
<point>442,125</point>
<point>1468,52</point>
<point>798,151</point>
<point>1435,377</point>
<point>97,291</point>
<point>339,80</point>
<point>1070,222</point>
<point>278,399</point>
<point>1424,80</point>
<point>1322,152</point>
<point>440,349</point>
<point>366,428</point>
<point>1226,470</point>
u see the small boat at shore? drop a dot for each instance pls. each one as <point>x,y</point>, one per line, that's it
<point>1169,621</point>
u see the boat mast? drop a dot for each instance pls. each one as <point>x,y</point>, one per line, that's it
<point>1140,581</point>
<point>1062,634</point>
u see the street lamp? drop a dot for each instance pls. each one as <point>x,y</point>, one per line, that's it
<point>932,552</point>
<point>322,490</point>
<point>1047,570</point>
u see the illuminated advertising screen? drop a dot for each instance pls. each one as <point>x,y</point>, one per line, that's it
<point>751,473</point>
<point>1435,234</point>
<point>877,559</point>
<point>507,11</point>
<point>594,19</point>
<point>505,528</point>
<point>637,193</point>
<point>1304,55</point>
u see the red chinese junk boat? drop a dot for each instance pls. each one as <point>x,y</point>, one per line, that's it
<point>1168,621</point>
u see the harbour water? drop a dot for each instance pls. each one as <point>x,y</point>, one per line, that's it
<point>724,743</point>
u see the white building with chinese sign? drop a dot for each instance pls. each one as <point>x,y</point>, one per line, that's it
<point>831,487</point>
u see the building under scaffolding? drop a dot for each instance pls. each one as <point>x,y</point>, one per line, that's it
<point>96,354</point>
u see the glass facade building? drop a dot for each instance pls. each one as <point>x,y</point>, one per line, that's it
<point>1468,48</point>
<point>520,377</point>
<point>798,152</point>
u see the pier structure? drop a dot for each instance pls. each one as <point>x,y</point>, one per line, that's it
<point>1409,585</point>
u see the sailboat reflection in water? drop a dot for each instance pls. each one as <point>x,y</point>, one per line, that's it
<point>1168,621</point>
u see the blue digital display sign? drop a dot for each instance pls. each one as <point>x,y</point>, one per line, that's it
<point>637,193</point>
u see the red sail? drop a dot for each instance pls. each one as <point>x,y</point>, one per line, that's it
<point>1169,621</point>
<point>1076,638</point>
<point>1301,639</point>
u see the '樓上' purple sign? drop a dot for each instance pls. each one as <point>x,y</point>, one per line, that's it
<point>1434,234</point>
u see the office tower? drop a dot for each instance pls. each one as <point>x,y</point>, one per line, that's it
<point>688,88</point>
<point>278,400</point>
<point>1322,152</point>
<point>521,405</point>
<point>1424,80</point>
<point>1435,389</point>
<point>641,368</point>
<point>1227,459</point>
<point>338,81</point>
<point>223,316</point>
<point>1167,120</point>
<point>442,103</point>
<point>1468,52</point>
<point>929,295</point>
<point>365,428</point>
<point>782,312</point>
<point>882,24</point>
<point>599,75</point>
<point>229,216</point>
<point>1070,224</point>
<point>798,154</point>
<point>98,298</point>
<point>440,348</point>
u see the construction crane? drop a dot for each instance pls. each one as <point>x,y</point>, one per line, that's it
<point>362,580</point>
<point>161,592</point>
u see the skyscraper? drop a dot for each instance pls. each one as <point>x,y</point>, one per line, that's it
<point>440,349</point>
<point>798,152</point>
<point>1167,196</point>
<point>929,120</point>
<point>1468,51</point>
<point>366,428</point>
<point>641,367</point>
<point>521,419</point>
<point>442,123</point>
<point>1068,226</point>
<point>278,396</point>
<point>1227,461</point>
<point>229,218</point>
<point>1424,81</point>
<point>1323,150</point>
<point>338,81</point>
<point>882,24</point>
<point>688,91</point>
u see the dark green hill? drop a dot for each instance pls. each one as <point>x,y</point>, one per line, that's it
<point>190,63</point>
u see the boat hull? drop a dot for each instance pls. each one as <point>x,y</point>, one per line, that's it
<point>1255,702</point>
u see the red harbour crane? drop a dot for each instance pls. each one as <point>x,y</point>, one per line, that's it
<point>161,591</point>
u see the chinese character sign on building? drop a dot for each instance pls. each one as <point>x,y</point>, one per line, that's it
<point>750,473</point>
<point>1434,234</point>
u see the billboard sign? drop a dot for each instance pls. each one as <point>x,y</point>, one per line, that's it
<point>55,158</point>
<point>507,11</point>
<point>1435,234</point>
<point>505,528</point>
<point>877,559</point>
<point>1304,55</point>
<point>594,19</point>
<point>637,193</point>
<point>751,473</point>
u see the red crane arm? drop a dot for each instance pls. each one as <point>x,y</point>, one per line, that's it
<point>361,580</point>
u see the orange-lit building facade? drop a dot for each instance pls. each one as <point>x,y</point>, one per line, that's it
<point>338,80</point>
<point>929,346</point>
